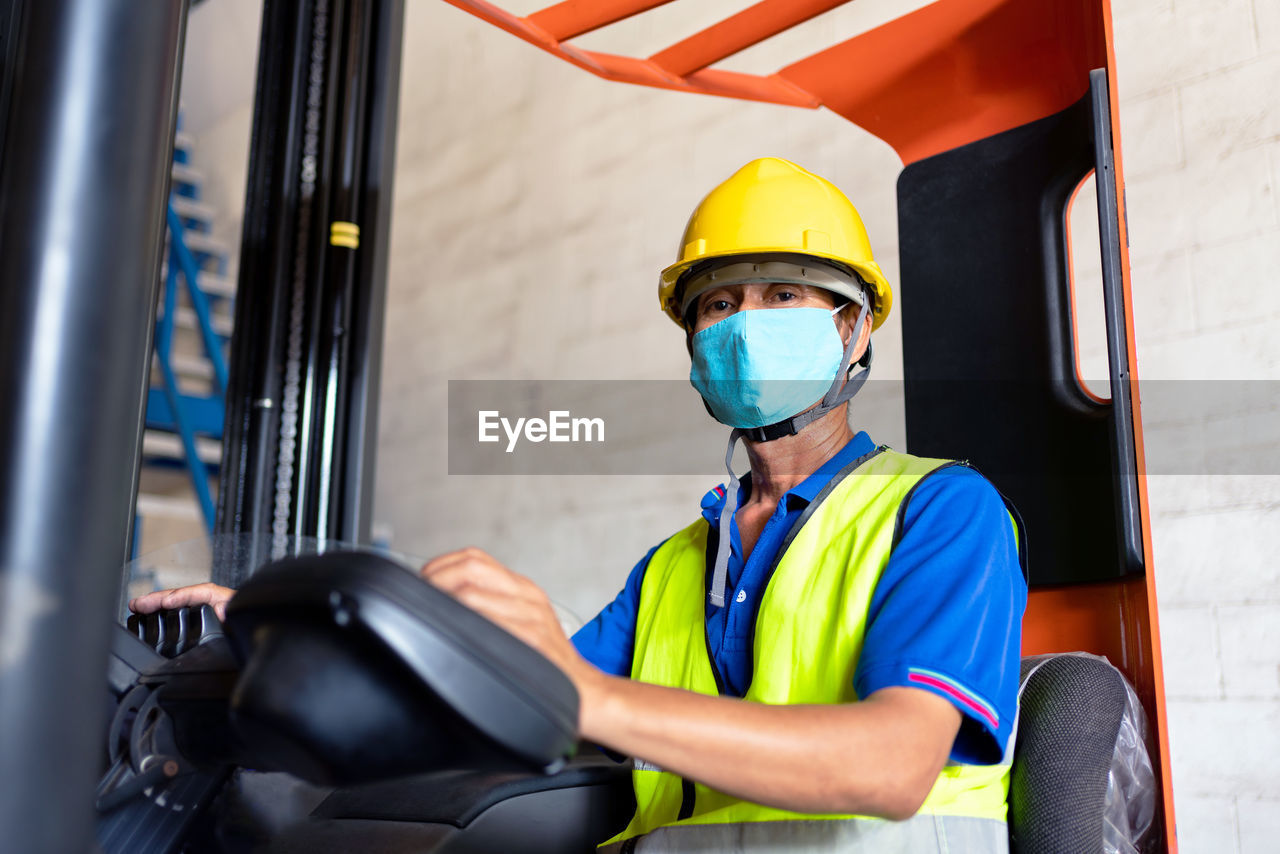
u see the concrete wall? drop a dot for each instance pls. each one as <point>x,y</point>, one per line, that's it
<point>534,205</point>
<point>1202,158</point>
<point>218,75</point>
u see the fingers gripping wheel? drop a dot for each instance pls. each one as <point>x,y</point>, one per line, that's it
<point>173,632</point>
<point>355,669</point>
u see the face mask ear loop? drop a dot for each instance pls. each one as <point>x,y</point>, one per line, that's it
<point>724,545</point>
<point>837,383</point>
<point>840,391</point>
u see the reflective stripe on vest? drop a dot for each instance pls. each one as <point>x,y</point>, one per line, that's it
<point>809,633</point>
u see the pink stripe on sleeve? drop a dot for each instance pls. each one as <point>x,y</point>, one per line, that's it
<point>952,691</point>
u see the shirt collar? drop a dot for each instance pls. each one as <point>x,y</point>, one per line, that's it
<point>802,493</point>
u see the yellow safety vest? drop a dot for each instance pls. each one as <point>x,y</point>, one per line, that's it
<point>809,634</point>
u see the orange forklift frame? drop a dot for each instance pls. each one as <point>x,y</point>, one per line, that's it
<point>947,75</point>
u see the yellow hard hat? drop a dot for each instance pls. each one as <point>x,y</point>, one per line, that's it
<point>773,207</point>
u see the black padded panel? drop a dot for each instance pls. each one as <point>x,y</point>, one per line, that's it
<point>552,821</point>
<point>347,837</point>
<point>986,325</point>
<point>470,812</point>
<point>357,670</point>
<point>337,711</point>
<point>1069,717</point>
<point>458,797</point>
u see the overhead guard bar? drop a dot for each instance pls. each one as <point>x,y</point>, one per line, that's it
<point>738,32</point>
<point>644,72</point>
<point>940,77</point>
<point>573,18</point>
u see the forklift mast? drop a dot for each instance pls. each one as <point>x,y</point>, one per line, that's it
<point>999,110</point>
<point>88,103</point>
<point>301,426</point>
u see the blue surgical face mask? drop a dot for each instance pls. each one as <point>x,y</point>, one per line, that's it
<point>761,366</point>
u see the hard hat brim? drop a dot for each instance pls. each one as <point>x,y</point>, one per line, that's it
<point>881,294</point>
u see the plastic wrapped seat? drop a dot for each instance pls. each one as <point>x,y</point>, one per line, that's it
<point>1081,780</point>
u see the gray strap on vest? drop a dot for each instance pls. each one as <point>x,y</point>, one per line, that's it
<point>724,545</point>
<point>839,392</point>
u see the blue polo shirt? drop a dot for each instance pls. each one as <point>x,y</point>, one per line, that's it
<point>946,616</point>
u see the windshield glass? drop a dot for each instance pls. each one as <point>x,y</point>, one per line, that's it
<point>229,559</point>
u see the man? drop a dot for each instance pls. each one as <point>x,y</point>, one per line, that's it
<point>834,641</point>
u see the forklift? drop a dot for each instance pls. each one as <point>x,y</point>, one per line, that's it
<point>432,730</point>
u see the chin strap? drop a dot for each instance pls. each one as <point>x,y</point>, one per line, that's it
<point>840,392</point>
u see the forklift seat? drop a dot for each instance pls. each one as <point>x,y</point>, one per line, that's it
<point>1081,778</point>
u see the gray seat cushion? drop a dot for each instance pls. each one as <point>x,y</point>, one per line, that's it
<point>1069,718</point>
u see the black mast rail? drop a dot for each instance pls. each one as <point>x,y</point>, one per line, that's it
<point>306,355</point>
<point>89,89</point>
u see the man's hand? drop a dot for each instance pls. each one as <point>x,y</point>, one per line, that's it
<point>515,603</point>
<point>197,594</point>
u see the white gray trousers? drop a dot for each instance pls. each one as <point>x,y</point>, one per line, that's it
<point>921,834</point>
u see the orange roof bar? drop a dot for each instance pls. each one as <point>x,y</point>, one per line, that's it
<point>945,75</point>
<point>573,18</point>
<point>739,32</point>
<point>625,69</point>
<point>959,70</point>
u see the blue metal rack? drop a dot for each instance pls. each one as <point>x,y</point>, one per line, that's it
<point>170,410</point>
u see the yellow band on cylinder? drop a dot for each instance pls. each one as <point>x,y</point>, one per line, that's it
<point>344,234</point>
